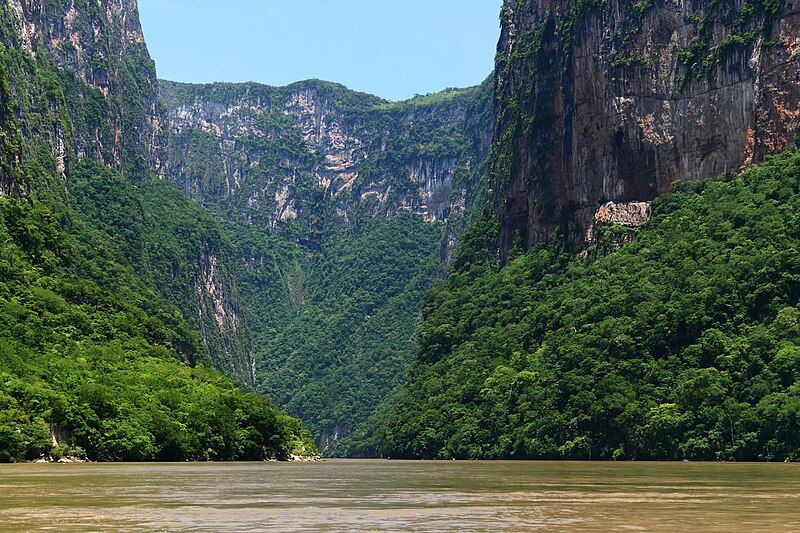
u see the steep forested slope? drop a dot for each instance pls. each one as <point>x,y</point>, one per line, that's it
<point>80,85</point>
<point>565,331</point>
<point>342,207</point>
<point>334,328</point>
<point>92,360</point>
<point>113,282</point>
<point>682,344</point>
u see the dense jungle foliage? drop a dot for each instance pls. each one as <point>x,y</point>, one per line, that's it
<point>164,237</point>
<point>102,351</point>
<point>92,360</point>
<point>333,328</point>
<point>684,344</point>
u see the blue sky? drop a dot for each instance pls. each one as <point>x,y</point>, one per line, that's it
<point>392,48</point>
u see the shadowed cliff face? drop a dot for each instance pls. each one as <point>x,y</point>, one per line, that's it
<point>602,101</point>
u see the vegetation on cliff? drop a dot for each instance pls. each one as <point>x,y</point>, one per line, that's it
<point>252,150</point>
<point>334,329</point>
<point>105,348</point>
<point>331,292</point>
<point>92,360</point>
<point>120,327</point>
<point>684,344</point>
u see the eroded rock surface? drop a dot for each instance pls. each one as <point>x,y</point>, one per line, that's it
<point>265,151</point>
<point>102,44</point>
<point>613,101</point>
<point>629,215</point>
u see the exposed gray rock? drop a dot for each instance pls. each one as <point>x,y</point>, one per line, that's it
<point>260,150</point>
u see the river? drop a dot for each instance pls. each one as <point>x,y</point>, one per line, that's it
<point>400,495</point>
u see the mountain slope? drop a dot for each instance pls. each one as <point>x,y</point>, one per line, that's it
<point>343,207</point>
<point>684,344</point>
<point>572,327</point>
<point>113,282</point>
<point>262,152</point>
<point>92,359</point>
<point>80,84</point>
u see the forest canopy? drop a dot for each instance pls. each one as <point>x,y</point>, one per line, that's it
<point>680,345</point>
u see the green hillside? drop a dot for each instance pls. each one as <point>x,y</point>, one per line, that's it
<point>681,345</point>
<point>108,348</point>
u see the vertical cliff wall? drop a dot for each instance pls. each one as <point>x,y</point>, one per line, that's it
<point>101,43</point>
<point>611,101</point>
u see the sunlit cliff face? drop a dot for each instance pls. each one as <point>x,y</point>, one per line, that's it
<point>267,144</point>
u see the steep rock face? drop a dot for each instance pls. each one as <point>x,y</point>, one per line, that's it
<point>221,325</point>
<point>626,215</point>
<point>602,101</point>
<point>101,43</point>
<point>264,151</point>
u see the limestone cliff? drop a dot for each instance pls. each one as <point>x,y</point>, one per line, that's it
<point>101,43</point>
<point>612,101</point>
<point>265,151</point>
<point>222,327</point>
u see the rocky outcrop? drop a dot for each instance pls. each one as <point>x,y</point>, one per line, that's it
<point>264,150</point>
<point>222,330</point>
<point>613,101</point>
<point>627,215</point>
<point>329,436</point>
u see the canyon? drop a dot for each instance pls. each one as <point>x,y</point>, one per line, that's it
<point>301,177</point>
<point>592,254</point>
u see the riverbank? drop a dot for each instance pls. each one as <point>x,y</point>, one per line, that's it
<point>74,459</point>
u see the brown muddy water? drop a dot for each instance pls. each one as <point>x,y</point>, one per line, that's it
<point>398,495</point>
